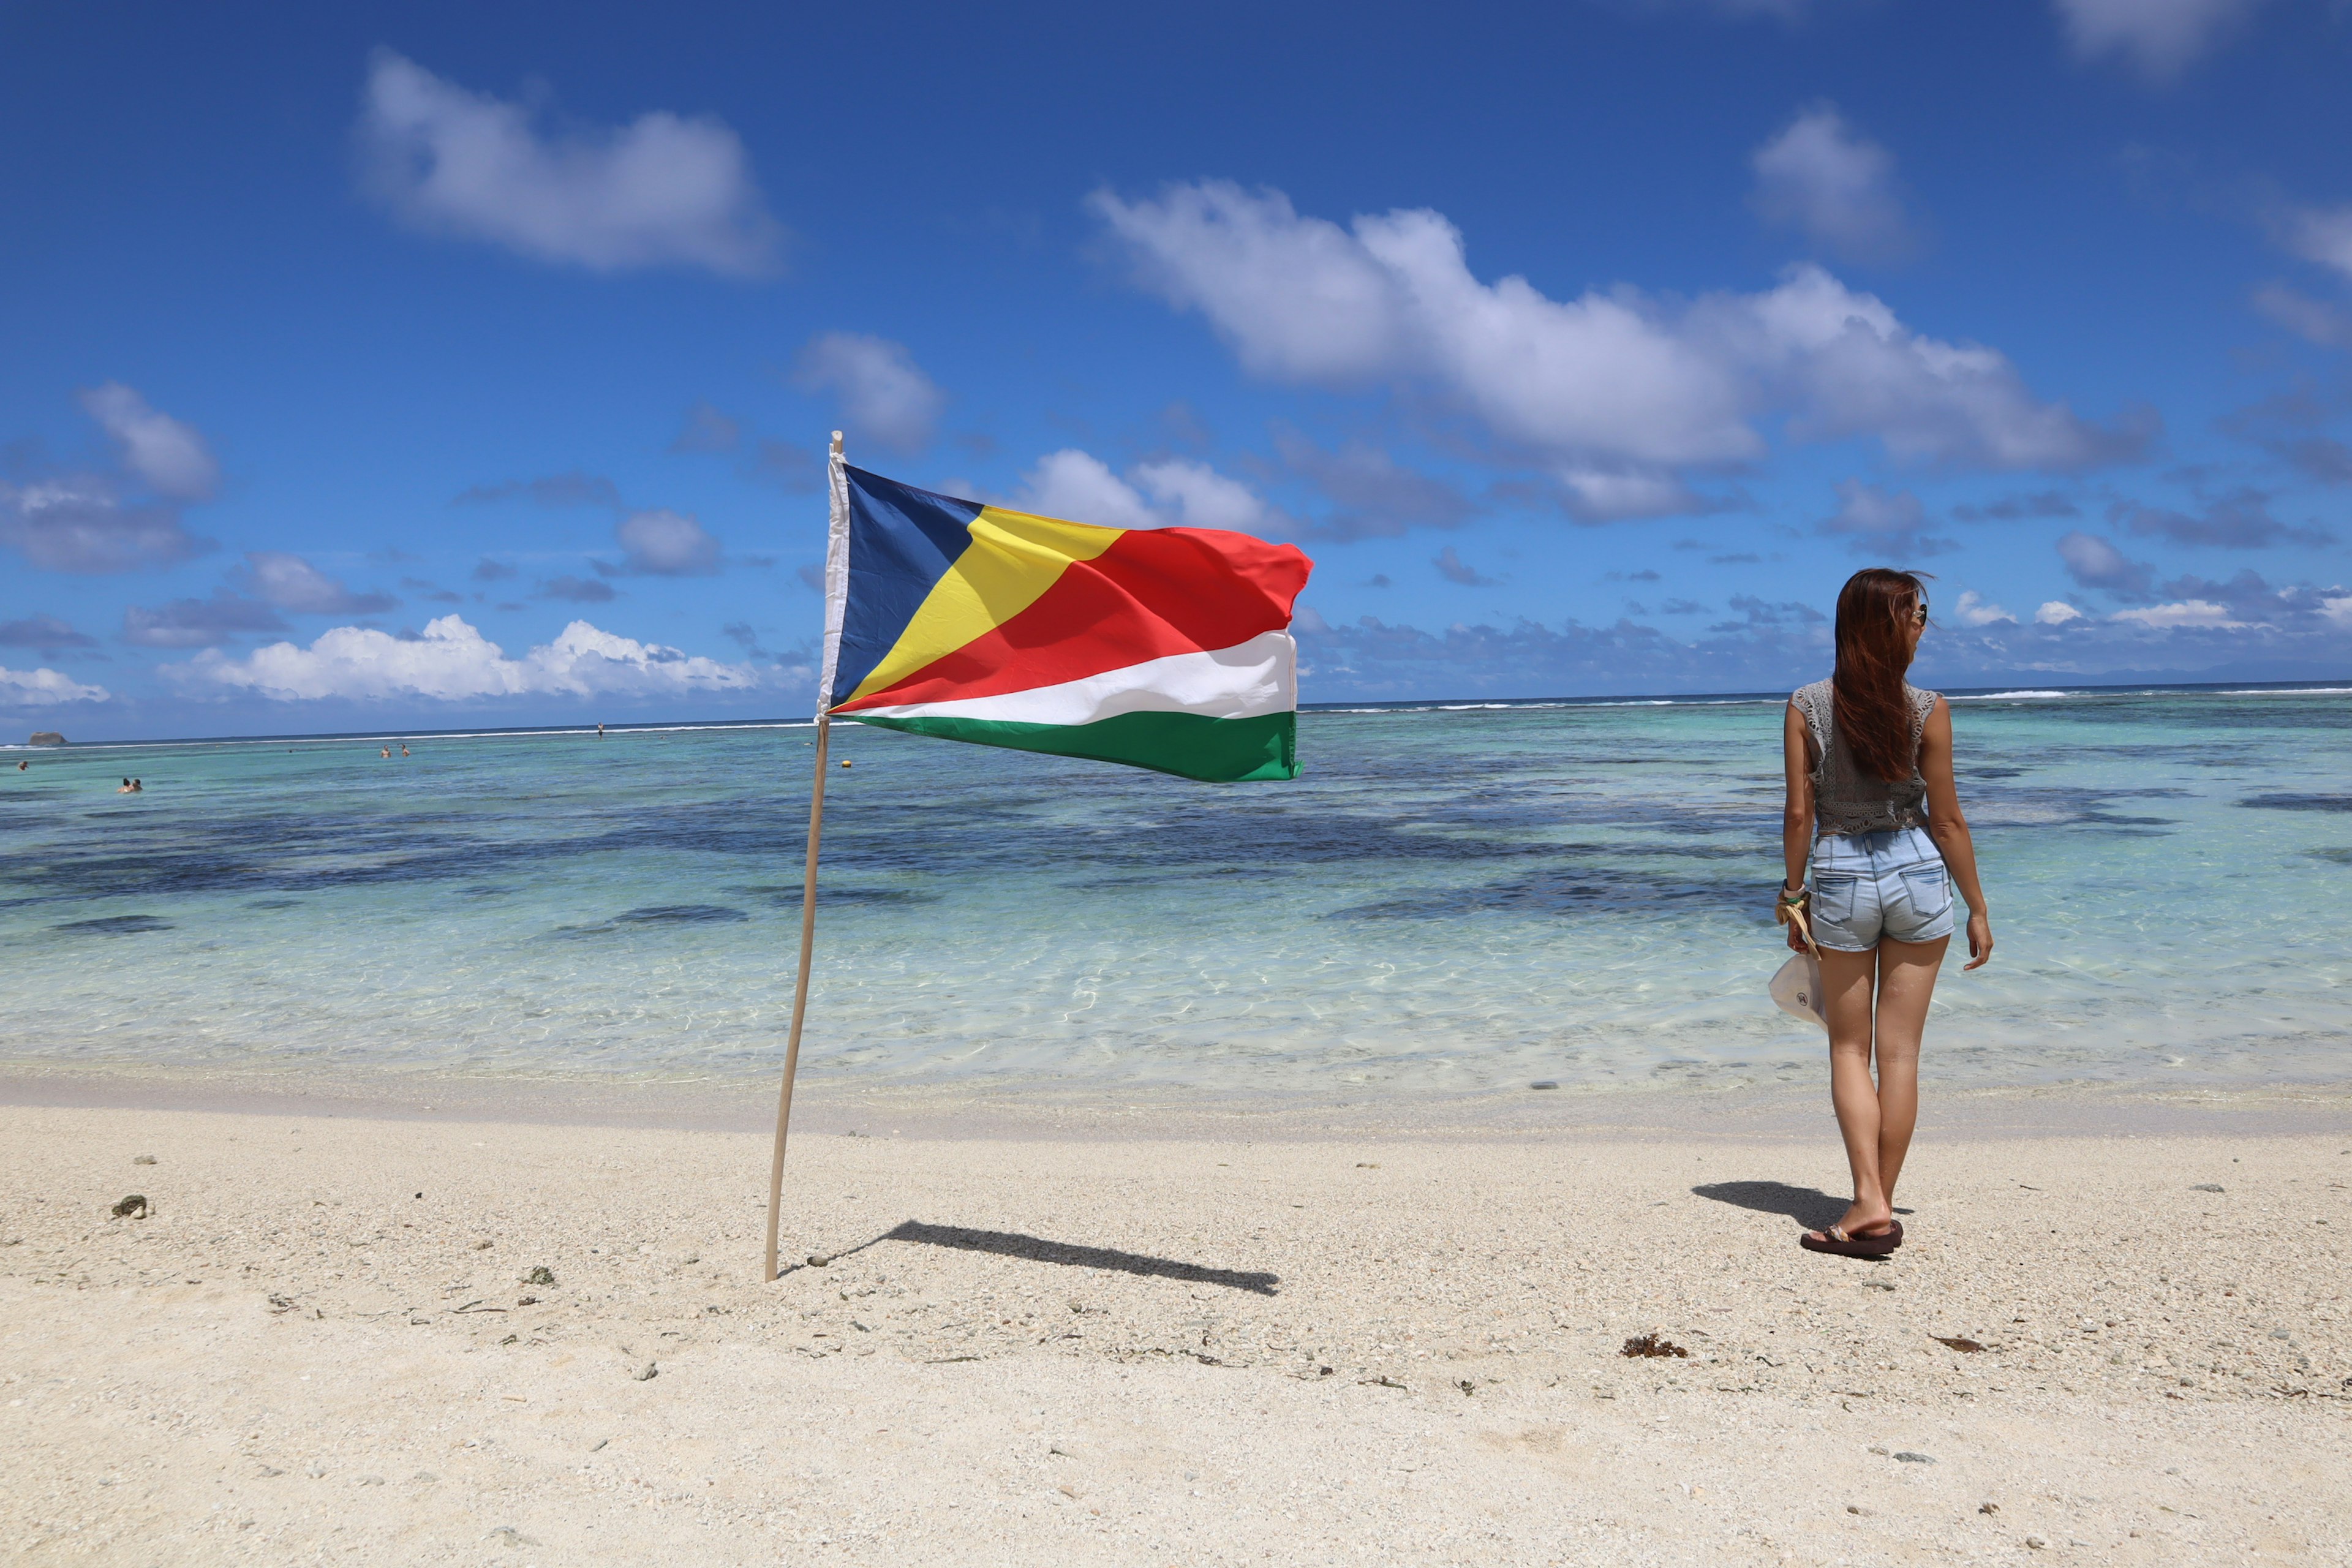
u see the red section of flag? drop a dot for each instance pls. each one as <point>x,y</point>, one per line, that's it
<point>1155,592</point>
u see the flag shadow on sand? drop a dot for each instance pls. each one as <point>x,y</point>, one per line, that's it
<point>1037,1249</point>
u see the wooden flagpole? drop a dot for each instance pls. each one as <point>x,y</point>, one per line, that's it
<point>808,929</point>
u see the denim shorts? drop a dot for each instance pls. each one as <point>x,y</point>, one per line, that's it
<point>1867,886</point>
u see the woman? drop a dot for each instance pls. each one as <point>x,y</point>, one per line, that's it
<point>1869,760</point>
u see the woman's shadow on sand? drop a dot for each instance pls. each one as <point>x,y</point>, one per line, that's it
<point>1809,1206</point>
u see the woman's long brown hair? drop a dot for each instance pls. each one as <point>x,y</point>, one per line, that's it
<point>1874,610</point>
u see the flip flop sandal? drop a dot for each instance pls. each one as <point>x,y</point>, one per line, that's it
<point>1835,1241</point>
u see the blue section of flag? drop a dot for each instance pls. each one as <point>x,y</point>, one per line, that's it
<point>902,540</point>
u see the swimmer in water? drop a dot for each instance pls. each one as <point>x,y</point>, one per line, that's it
<point>137,786</point>
<point>404,750</point>
<point>600,729</point>
<point>388,751</point>
<point>22,766</point>
<point>125,789</point>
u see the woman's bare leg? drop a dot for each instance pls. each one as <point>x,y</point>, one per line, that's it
<point>1907,982</point>
<point>1848,980</point>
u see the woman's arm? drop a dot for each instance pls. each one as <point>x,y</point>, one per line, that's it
<point>1950,829</point>
<point>1797,813</point>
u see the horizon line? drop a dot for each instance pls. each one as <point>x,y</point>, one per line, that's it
<point>1361,705</point>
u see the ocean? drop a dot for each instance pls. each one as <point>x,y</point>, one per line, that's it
<point>1451,897</point>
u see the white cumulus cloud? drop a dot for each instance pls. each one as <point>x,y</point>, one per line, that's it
<point>1878,520</point>
<point>664,190</point>
<point>2056,613</point>
<point>290,582</point>
<point>1614,391</point>
<point>2315,320</point>
<point>453,662</point>
<point>1180,491</point>
<point>2322,234</point>
<point>197,623</point>
<point>1838,187</point>
<point>2094,563</point>
<point>121,520</point>
<point>167,453</point>
<point>2159,38</point>
<point>884,396</point>
<point>2201,613</point>
<point>1971,610</point>
<point>44,688</point>
<point>665,543</point>
<point>1195,495</point>
<point>1081,487</point>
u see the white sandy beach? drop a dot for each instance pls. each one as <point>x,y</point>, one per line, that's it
<point>322,1345</point>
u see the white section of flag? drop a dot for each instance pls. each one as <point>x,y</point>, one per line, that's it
<point>1244,681</point>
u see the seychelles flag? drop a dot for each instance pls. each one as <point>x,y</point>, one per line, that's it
<point>1160,647</point>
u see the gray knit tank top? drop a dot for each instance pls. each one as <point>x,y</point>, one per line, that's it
<point>1845,799</point>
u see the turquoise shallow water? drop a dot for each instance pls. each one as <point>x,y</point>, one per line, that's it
<point>1450,899</point>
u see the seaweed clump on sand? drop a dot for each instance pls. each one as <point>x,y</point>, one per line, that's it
<point>1653,1345</point>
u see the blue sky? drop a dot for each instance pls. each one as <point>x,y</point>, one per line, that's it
<point>410,365</point>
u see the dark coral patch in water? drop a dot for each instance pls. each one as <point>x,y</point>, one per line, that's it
<point>115,925</point>
<point>658,915</point>
<point>2300,802</point>
<point>682,914</point>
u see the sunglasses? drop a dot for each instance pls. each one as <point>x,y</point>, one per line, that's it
<point>1919,614</point>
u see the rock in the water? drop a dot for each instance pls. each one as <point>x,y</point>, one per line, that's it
<point>47,737</point>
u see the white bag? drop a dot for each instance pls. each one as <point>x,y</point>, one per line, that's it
<point>1798,989</point>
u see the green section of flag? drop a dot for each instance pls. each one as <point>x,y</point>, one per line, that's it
<point>1190,745</point>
